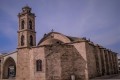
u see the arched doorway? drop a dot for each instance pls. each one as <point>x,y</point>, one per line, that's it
<point>9,68</point>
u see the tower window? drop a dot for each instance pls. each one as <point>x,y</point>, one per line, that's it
<point>38,65</point>
<point>22,24</point>
<point>31,40</point>
<point>30,24</point>
<point>22,40</point>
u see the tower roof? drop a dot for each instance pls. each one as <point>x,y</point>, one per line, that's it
<point>26,7</point>
<point>26,10</point>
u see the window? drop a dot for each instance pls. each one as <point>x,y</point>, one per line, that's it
<point>119,68</point>
<point>119,63</point>
<point>31,40</point>
<point>38,65</point>
<point>30,24</point>
<point>22,24</point>
<point>22,40</point>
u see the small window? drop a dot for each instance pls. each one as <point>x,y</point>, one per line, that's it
<point>22,24</point>
<point>22,40</point>
<point>30,24</point>
<point>38,65</point>
<point>31,40</point>
<point>119,63</point>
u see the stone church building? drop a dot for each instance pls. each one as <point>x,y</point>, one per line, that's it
<point>55,57</point>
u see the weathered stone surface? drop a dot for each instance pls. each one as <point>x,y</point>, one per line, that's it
<point>64,61</point>
<point>23,64</point>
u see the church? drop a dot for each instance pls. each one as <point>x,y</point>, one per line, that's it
<point>55,57</point>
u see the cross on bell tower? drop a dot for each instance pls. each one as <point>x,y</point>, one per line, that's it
<point>26,32</point>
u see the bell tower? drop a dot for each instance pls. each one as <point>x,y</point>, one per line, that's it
<point>26,31</point>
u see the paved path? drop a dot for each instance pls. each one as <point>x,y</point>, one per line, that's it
<point>108,77</point>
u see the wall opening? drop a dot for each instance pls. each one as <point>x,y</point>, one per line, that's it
<point>9,68</point>
<point>22,40</point>
<point>22,24</point>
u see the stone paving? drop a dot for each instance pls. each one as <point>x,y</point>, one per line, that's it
<point>110,77</point>
<point>107,77</point>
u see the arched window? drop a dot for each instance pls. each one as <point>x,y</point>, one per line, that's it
<point>31,40</point>
<point>22,24</point>
<point>30,24</point>
<point>38,65</point>
<point>22,40</point>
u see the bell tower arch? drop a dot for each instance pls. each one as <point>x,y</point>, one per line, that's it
<point>26,31</point>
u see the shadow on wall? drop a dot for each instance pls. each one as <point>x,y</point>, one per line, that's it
<point>64,62</point>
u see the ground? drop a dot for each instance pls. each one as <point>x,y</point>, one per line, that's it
<point>111,77</point>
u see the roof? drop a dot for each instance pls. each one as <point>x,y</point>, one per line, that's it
<point>74,38</point>
<point>70,38</point>
<point>5,54</point>
<point>45,36</point>
<point>26,7</point>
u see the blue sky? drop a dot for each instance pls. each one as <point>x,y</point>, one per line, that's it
<point>98,20</point>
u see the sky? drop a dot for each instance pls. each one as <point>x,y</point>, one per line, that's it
<point>97,20</point>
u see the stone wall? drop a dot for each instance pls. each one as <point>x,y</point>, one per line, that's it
<point>72,64</point>
<point>23,64</point>
<point>12,55</point>
<point>98,61</point>
<point>101,61</point>
<point>81,48</point>
<point>53,63</point>
<point>26,67</point>
<point>6,61</point>
<point>91,60</point>
<point>62,61</point>
<point>37,54</point>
